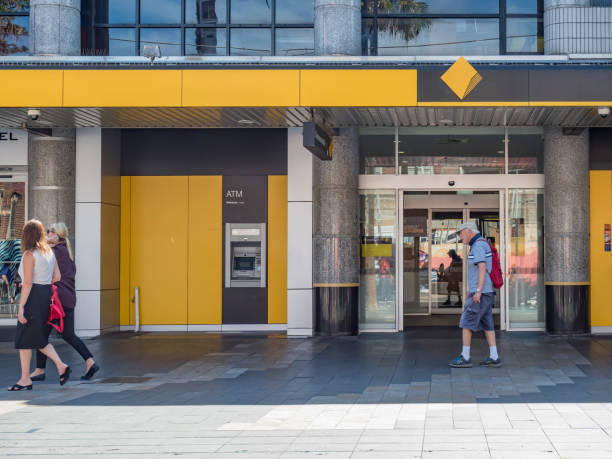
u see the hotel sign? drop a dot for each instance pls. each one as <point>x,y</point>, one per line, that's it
<point>13,147</point>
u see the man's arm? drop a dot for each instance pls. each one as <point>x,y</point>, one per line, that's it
<point>482,272</point>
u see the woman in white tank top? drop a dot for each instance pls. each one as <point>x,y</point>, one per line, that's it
<point>38,269</point>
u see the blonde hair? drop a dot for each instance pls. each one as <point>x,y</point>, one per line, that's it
<point>61,230</point>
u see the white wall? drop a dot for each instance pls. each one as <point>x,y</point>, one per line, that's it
<point>299,254</point>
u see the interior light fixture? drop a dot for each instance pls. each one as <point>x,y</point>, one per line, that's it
<point>246,122</point>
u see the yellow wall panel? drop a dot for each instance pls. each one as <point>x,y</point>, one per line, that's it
<point>241,88</point>
<point>358,88</point>
<point>601,261</point>
<point>31,88</point>
<point>205,250</point>
<point>126,312</point>
<point>277,249</point>
<point>159,237</point>
<point>122,88</point>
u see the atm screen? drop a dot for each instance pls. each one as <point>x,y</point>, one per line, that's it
<point>244,263</point>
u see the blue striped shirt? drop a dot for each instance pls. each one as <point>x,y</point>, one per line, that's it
<point>480,252</point>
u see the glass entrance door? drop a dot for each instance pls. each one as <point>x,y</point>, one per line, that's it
<point>434,259</point>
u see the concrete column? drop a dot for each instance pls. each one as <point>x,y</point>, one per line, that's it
<point>337,26</point>
<point>55,27</point>
<point>51,172</point>
<point>566,231</point>
<point>335,189</point>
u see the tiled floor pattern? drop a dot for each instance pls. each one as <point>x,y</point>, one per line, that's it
<point>373,396</point>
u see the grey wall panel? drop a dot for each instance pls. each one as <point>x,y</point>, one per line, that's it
<point>204,152</point>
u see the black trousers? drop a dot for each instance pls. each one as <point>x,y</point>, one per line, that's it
<point>69,336</point>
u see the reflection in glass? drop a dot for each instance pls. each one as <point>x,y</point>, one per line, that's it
<point>522,35</point>
<point>525,280</point>
<point>115,11</point>
<point>295,42</point>
<point>251,42</point>
<point>294,11</point>
<point>430,151</point>
<point>160,12</point>
<point>251,11</point>
<point>525,150</point>
<point>377,262</point>
<point>12,214</point>
<point>438,6</point>
<point>205,12</point>
<point>522,6</point>
<point>369,39</point>
<point>205,42</point>
<point>169,40</point>
<point>416,261</point>
<point>446,260</point>
<point>437,37</point>
<point>14,38</point>
<point>377,151</point>
<point>116,41</point>
<point>488,226</point>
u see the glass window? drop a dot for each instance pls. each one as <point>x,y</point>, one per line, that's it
<point>12,209</point>
<point>116,11</point>
<point>207,12</point>
<point>205,42</point>
<point>169,40</point>
<point>294,11</point>
<point>295,42</point>
<point>525,281</point>
<point>439,7</point>
<point>377,151</point>
<point>416,261</point>
<point>522,6</point>
<point>14,35</point>
<point>251,11</point>
<point>368,37</point>
<point>251,42</point>
<point>160,12</point>
<point>15,6</point>
<point>447,254</point>
<point>522,35</point>
<point>449,150</point>
<point>116,41</point>
<point>525,151</point>
<point>377,261</point>
<point>438,37</point>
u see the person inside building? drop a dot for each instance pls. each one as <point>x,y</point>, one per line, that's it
<point>57,235</point>
<point>38,269</point>
<point>478,312</point>
<point>7,279</point>
<point>453,277</point>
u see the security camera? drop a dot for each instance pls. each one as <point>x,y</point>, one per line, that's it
<point>33,114</point>
<point>603,111</point>
<point>451,183</point>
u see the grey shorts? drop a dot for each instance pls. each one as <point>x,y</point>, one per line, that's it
<point>478,316</point>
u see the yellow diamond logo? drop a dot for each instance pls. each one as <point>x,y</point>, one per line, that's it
<point>461,77</point>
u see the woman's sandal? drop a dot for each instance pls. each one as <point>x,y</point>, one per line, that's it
<point>65,376</point>
<point>92,371</point>
<point>17,387</point>
<point>40,377</point>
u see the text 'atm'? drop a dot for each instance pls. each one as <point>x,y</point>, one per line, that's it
<point>245,255</point>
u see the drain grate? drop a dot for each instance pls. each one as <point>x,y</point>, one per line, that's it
<point>126,380</point>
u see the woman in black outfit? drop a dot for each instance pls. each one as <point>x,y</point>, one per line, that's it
<point>57,236</point>
<point>38,269</point>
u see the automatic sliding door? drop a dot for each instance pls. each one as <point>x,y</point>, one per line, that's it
<point>446,261</point>
<point>415,271</point>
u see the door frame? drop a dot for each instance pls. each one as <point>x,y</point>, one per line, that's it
<point>463,204</point>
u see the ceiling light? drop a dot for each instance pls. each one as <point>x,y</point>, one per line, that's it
<point>245,121</point>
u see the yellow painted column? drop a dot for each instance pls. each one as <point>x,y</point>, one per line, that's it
<point>126,307</point>
<point>601,261</point>
<point>277,249</point>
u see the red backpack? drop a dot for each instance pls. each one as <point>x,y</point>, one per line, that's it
<point>497,278</point>
<point>56,311</point>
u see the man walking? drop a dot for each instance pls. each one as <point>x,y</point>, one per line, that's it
<point>478,312</point>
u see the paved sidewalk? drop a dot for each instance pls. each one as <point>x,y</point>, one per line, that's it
<point>379,395</point>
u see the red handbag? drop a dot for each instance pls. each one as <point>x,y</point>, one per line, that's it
<point>56,311</point>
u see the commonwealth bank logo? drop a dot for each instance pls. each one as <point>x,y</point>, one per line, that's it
<point>461,78</point>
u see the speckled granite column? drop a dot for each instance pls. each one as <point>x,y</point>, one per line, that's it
<point>336,236</point>
<point>337,27</point>
<point>55,27</point>
<point>566,231</point>
<point>51,185</point>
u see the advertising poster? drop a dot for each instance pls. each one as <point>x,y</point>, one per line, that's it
<point>607,237</point>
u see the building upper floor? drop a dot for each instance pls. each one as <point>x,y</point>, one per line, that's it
<point>287,27</point>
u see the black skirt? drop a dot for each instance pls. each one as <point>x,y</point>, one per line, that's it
<point>34,334</point>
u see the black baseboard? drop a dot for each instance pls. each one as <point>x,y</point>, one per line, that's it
<point>567,309</point>
<point>336,310</point>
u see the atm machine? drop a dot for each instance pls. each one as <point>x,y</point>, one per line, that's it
<point>245,255</point>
